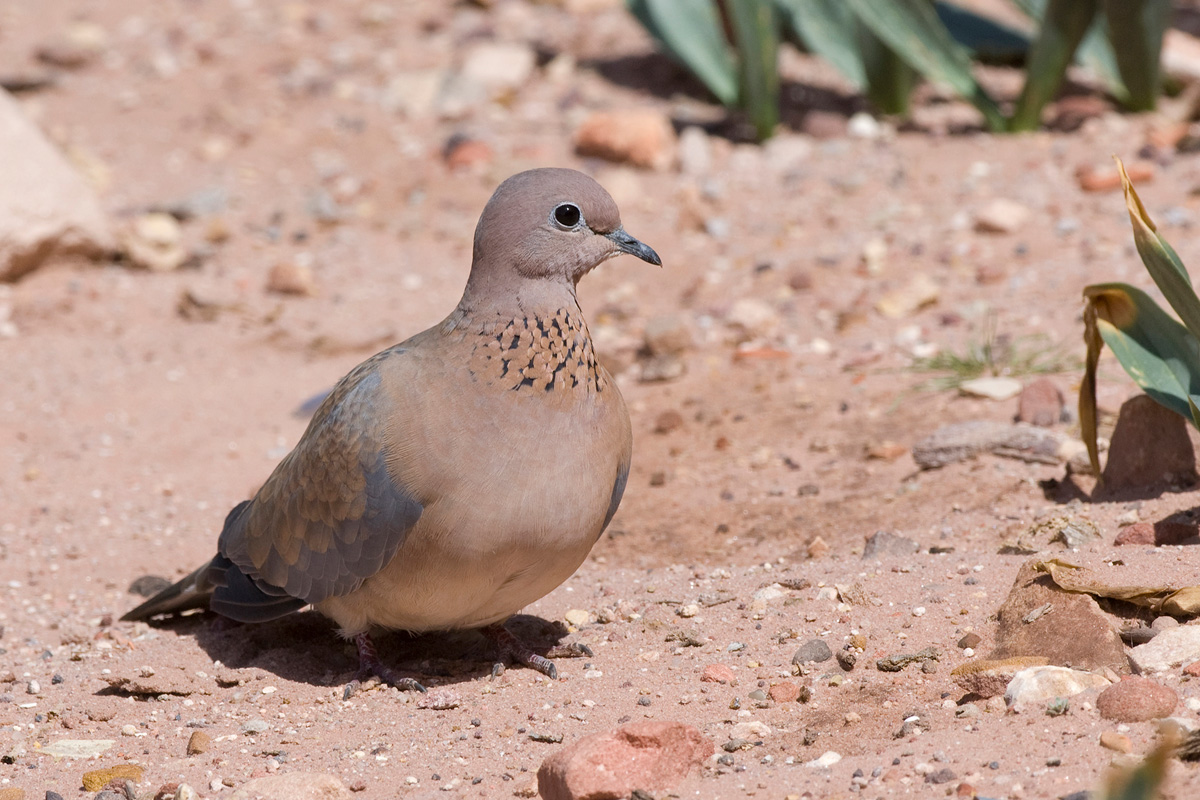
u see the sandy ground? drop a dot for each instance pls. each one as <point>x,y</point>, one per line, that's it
<point>131,424</point>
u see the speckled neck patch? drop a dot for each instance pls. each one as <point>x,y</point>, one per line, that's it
<point>541,354</point>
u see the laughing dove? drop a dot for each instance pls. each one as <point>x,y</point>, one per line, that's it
<point>450,480</point>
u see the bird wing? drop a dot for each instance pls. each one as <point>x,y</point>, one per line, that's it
<point>330,515</point>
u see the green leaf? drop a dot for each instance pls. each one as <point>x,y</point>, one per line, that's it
<point>890,79</point>
<point>691,31</point>
<point>756,33</point>
<point>913,30</point>
<point>828,29</point>
<point>1135,29</point>
<point>1161,260</point>
<point>1094,52</point>
<point>1063,25</point>
<point>1159,354</point>
<point>986,39</point>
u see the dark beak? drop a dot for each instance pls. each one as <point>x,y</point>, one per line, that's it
<point>627,244</point>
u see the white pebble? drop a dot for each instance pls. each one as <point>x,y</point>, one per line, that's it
<point>919,611</point>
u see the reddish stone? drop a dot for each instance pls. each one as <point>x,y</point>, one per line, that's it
<point>1150,448</point>
<point>1077,634</point>
<point>717,673</point>
<point>651,756</point>
<point>1158,533</point>
<point>1041,403</point>
<point>466,153</point>
<point>1137,533</point>
<point>1192,670</point>
<point>641,137</point>
<point>786,692</point>
<point>1136,699</point>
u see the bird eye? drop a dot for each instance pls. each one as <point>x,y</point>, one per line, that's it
<point>567,215</point>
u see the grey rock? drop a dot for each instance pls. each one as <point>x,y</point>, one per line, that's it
<point>814,651</point>
<point>1171,647</point>
<point>961,441</point>
<point>882,543</point>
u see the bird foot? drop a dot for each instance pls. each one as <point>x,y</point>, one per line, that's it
<point>369,666</point>
<point>513,649</point>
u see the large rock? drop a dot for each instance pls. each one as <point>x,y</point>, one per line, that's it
<point>293,786</point>
<point>1150,447</point>
<point>1136,699</point>
<point>1170,648</point>
<point>1032,688</point>
<point>46,207</point>
<point>1067,628</point>
<point>650,756</point>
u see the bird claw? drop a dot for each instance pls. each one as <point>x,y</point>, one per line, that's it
<point>512,648</point>
<point>369,666</point>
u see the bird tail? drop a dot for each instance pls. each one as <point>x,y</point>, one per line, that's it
<point>194,591</point>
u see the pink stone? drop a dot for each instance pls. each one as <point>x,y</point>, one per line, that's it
<point>1136,699</point>
<point>1137,533</point>
<point>652,756</point>
<point>717,673</point>
<point>786,692</point>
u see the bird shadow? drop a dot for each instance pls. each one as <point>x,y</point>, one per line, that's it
<point>306,648</point>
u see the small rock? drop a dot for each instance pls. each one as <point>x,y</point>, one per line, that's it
<point>255,726</point>
<point>1149,447</point>
<point>717,673</point>
<point>1001,216</point>
<point>752,730</point>
<point>1041,403</point>
<point>862,125</point>
<point>33,687</point>
<point>198,743</point>
<point>826,759</point>
<point>414,93</point>
<point>293,786</point>
<point>17,793</point>
<point>753,317</point>
<point>668,421</point>
<point>499,66</point>
<point>1106,178</point>
<point>1170,648</point>
<point>695,152</point>
<point>76,47</point>
<point>882,544</point>
<point>649,756</point>
<point>818,547</point>
<point>577,617</point>
<point>784,692</point>
<point>943,775</point>
<point>1138,533</point>
<point>995,388</point>
<point>641,137</point>
<point>1032,688</point>
<point>289,277</point>
<point>657,369</point>
<point>1136,699</point>
<point>667,334</point>
<point>1192,670</point>
<point>785,152</point>
<point>972,639</point>
<point>898,661</point>
<point>1118,742</point>
<point>464,153</point>
<point>97,779</point>
<point>153,241</point>
<point>814,651</point>
<point>920,291</point>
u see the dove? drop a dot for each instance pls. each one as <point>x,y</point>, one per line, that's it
<point>448,481</point>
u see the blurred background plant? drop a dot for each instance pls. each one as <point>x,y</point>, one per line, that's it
<point>883,46</point>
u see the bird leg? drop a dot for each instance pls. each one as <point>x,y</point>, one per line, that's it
<point>511,648</point>
<point>369,666</point>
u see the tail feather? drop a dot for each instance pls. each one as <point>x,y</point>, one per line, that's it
<point>194,591</point>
